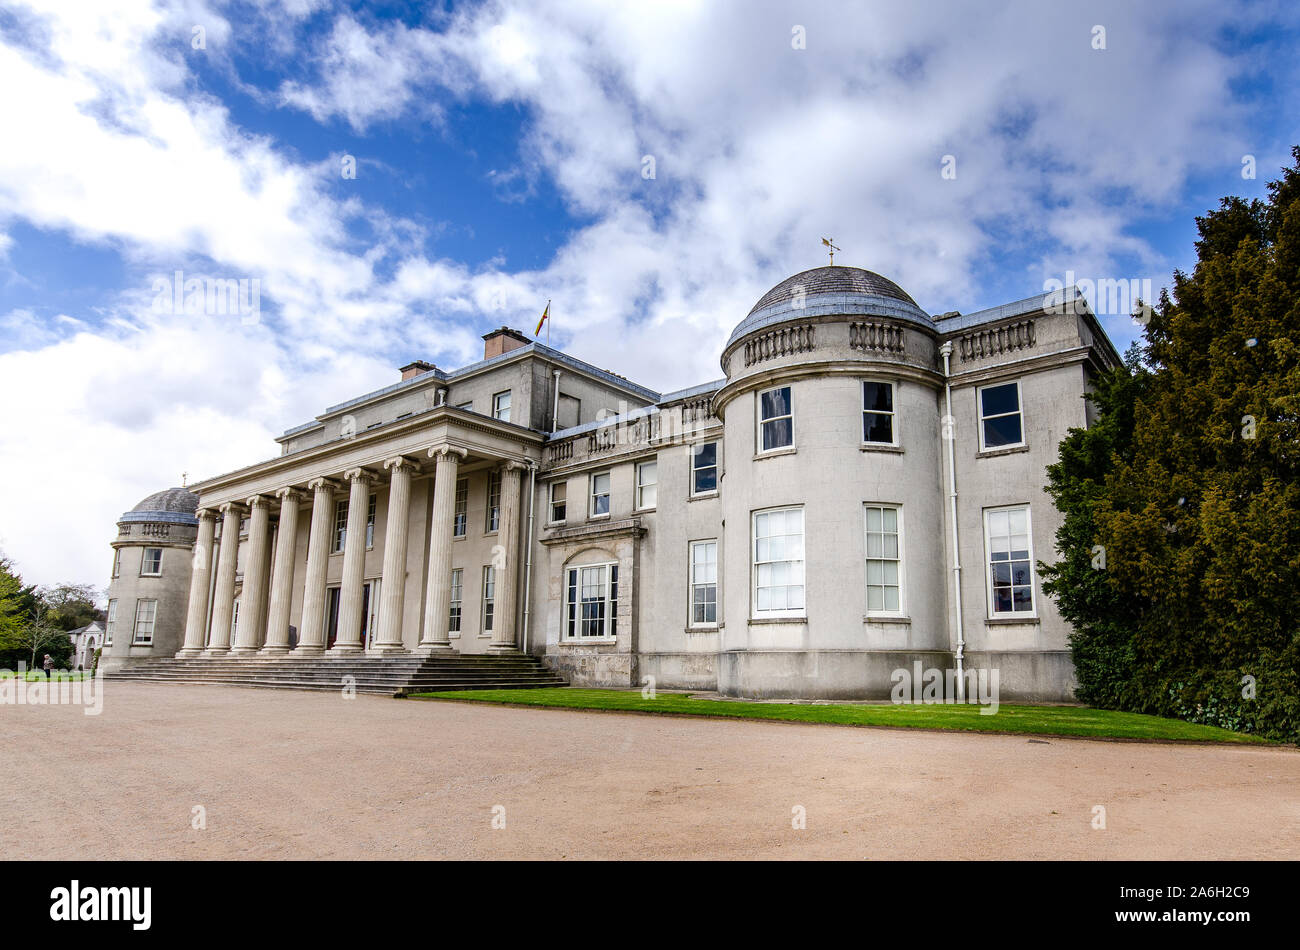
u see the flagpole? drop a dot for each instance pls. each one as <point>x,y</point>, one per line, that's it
<point>548,324</point>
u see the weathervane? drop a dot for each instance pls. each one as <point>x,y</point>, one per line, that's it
<point>827,242</point>
<point>184,475</point>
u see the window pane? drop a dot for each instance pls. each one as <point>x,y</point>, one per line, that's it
<point>877,428</point>
<point>600,484</point>
<point>706,454</point>
<point>776,403</point>
<point>878,397</point>
<point>999,399</point>
<point>1005,430</point>
<point>777,434</point>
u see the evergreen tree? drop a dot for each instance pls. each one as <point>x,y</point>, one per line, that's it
<point>1192,490</point>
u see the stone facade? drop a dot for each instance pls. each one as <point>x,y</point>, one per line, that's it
<point>785,531</point>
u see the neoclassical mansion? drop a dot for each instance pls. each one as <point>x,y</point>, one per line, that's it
<point>861,491</point>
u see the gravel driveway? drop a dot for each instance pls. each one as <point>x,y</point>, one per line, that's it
<point>300,775</point>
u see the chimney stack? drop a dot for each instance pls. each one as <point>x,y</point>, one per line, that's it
<point>416,368</point>
<point>502,340</point>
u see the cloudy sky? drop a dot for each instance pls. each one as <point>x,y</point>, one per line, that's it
<point>652,167</point>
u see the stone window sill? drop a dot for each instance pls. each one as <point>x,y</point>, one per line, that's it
<point>1002,621</point>
<point>703,495</point>
<point>690,630</point>
<point>756,621</point>
<point>881,447</point>
<point>871,619</point>
<point>774,453</point>
<point>994,453</point>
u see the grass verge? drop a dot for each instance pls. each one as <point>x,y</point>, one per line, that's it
<point>1029,720</point>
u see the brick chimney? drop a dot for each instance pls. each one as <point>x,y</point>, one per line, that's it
<point>502,340</point>
<point>416,368</point>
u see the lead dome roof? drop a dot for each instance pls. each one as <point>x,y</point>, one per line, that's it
<point>831,290</point>
<point>175,505</point>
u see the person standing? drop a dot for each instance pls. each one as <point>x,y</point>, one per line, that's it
<point>49,664</point>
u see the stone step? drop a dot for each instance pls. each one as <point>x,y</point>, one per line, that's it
<point>398,676</point>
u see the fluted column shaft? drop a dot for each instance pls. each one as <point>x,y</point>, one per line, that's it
<point>354,564</point>
<point>311,635</point>
<point>196,618</point>
<point>396,529</point>
<point>252,604</point>
<point>277,621</point>
<point>223,599</point>
<point>437,601</point>
<point>505,561</point>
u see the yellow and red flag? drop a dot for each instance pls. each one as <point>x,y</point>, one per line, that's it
<point>545,313</point>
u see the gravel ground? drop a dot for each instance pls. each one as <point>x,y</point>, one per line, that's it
<point>303,775</point>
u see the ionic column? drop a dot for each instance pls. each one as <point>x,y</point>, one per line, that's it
<point>506,562</point>
<point>196,619</point>
<point>248,634</point>
<point>311,634</point>
<point>223,599</point>
<point>354,563</point>
<point>437,601</point>
<point>277,621</point>
<point>396,529</point>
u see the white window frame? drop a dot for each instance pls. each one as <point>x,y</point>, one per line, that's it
<point>564,485</point>
<point>990,600</point>
<point>776,612</point>
<point>899,559</point>
<point>700,468</point>
<point>144,559</point>
<point>758,415</point>
<point>372,506</point>
<point>145,640</point>
<point>339,538</point>
<point>642,485</point>
<point>572,621</point>
<point>492,523</point>
<point>892,413</point>
<point>592,494</point>
<point>1020,411</point>
<point>501,412</point>
<point>488,601</point>
<point>460,510</point>
<point>692,583</point>
<point>110,624</point>
<point>117,562</point>
<point>455,611</point>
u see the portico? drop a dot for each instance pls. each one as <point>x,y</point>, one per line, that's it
<point>393,540</point>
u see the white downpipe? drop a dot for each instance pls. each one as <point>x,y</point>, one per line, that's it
<point>555,408</point>
<point>949,434</point>
<point>528,558</point>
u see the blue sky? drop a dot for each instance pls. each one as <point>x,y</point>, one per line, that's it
<point>502,152</point>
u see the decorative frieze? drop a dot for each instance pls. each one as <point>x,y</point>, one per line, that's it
<point>783,341</point>
<point>876,337</point>
<point>996,340</point>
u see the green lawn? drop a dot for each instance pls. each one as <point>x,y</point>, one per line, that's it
<point>1031,720</point>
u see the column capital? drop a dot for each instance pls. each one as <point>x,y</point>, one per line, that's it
<point>510,465</point>
<point>445,451</point>
<point>288,493</point>
<point>320,481</point>
<point>206,514</point>
<point>258,501</point>
<point>358,475</point>
<point>400,463</point>
<point>237,507</point>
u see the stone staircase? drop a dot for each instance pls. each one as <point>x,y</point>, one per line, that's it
<point>391,676</point>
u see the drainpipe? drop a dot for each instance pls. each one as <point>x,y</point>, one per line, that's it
<point>528,557</point>
<point>555,409</point>
<point>951,438</point>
